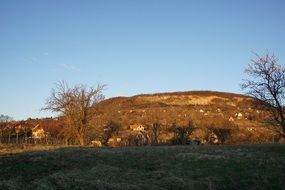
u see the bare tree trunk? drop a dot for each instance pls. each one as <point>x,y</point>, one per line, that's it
<point>26,137</point>
<point>283,127</point>
<point>155,130</point>
<point>155,139</point>
<point>81,139</point>
<point>9,137</point>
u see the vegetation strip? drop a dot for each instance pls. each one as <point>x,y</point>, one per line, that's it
<point>160,167</point>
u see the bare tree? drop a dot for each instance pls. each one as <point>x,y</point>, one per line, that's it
<point>152,120</point>
<point>4,121</point>
<point>112,128</point>
<point>74,104</point>
<point>182,130</point>
<point>222,133</point>
<point>266,83</point>
<point>5,118</point>
<point>2,126</point>
<point>155,128</point>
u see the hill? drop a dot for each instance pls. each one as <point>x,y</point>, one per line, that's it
<point>207,109</point>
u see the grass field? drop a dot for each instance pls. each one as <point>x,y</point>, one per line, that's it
<point>166,167</point>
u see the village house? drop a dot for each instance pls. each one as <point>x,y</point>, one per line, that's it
<point>231,119</point>
<point>116,142</point>
<point>239,115</point>
<point>137,127</point>
<point>38,132</point>
<point>19,128</point>
<point>96,143</point>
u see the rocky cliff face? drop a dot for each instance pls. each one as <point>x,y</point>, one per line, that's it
<point>186,100</point>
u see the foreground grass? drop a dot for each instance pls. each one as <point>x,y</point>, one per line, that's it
<point>174,167</point>
<point>9,149</point>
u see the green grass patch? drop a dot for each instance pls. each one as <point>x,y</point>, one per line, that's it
<point>166,167</point>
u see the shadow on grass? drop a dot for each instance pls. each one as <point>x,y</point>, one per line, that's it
<point>166,167</point>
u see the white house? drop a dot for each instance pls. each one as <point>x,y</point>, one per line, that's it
<point>137,127</point>
<point>38,132</point>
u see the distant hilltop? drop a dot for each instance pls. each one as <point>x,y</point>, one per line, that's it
<point>188,98</point>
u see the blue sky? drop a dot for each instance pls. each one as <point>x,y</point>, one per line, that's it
<point>134,46</point>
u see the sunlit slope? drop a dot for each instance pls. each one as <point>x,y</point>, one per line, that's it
<point>205,108</point>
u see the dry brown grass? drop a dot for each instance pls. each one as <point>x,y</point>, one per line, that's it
<point>8,149</point>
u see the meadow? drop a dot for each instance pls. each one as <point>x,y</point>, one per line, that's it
<point>149,167</point>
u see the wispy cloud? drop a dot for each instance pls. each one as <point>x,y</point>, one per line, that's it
<point>69,67</point>
<point>45,53</point>
<point>29,60</point>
